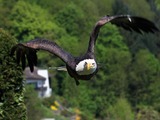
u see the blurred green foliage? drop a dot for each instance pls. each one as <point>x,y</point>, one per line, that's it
<point>127,84</point>
<point>34,105</point>
<point>28,21</point>
<point>121,110</point>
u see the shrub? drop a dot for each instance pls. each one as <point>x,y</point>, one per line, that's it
<point>11,82</point>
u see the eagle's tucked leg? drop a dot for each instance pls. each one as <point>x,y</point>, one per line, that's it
<point>77,82</point>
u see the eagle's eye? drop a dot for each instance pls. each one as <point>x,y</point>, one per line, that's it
<point>85,64</point>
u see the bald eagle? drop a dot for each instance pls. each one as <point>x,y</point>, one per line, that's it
<point>83,67</point>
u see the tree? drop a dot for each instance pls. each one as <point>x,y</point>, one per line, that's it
<point>5,9</point>
<point>121,110</point>
<point>35,108</point>
<point>71,18</point>
<point>137,9</point>
<point>104,7</point>
<point>144,79</point>
<point>11,82</point>
<point>30,21</point>
<point>157,2</point>
<point>119,7</point>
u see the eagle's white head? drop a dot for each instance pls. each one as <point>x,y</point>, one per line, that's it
<point>86,67</point>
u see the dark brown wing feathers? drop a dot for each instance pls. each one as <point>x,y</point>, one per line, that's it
<point>23,52</point>
<point>131,23</point>
<point>28,51</point>
<point>134,23</point>
<point>51,47</point>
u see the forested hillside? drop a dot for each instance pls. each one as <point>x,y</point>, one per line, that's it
<point>127,86</point>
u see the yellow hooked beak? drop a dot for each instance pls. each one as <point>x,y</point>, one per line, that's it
<point>89,66</point>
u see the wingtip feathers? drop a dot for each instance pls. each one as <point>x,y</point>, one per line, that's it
<point>22,52</point>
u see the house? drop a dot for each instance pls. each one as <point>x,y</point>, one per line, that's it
<point>40,79</point>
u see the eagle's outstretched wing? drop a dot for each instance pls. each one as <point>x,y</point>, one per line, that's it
<point>134,23</point>
<point>28,50</point>
<point>131,23</point>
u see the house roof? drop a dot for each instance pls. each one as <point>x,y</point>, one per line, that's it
<point>32,75</point>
